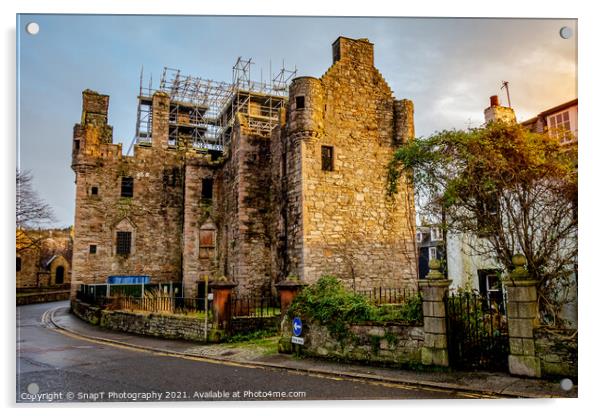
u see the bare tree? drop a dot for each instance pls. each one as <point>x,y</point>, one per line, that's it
<point>32,211</point>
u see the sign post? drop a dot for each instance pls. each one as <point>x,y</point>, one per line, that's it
<point>297,330</point>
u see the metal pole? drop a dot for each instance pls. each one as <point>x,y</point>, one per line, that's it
<point>206,306</point>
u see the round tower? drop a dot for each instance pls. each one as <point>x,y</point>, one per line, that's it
<point>306,107</point>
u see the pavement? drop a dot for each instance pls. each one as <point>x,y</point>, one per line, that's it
<point>480,384</point>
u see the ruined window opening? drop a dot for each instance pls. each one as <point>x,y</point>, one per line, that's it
<point>328,158</point>
<point>92,248</point>
<point>300,102</point>
<point>94,190</point>
<point>127,187</point>
<point>207,188</point>
<point>76,145</point>
<point>18,264</point>
<point>124,242</point>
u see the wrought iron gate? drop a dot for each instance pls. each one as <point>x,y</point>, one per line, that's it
<point>477,333</point>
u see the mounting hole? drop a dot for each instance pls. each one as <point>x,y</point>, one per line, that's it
<point>33,388</point>
<point>566,384</point>
<point>566,32</point>
<point>32,28</point>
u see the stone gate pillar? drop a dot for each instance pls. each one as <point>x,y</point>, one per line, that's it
<point>287,291</point>
<point>434,290</point>
<point>222,292</point>
<point>522,317</point>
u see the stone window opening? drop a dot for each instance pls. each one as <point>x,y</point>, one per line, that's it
<point>300,102</point>
<point>127,186</point>
<point>94,191</point>
<point>207,188</point>
<point>92,248</point>
<point>18,264</point>
<point>76,145</point>
<point>124,243</point>
<point>328,158</point>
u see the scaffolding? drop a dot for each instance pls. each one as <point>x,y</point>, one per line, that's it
<point>202,112</point>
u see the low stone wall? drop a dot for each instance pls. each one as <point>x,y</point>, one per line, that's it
<point>41,297</point>
<point>152,324</point>
<point>86,312</point>
<point>390,343</point>
<point>557,352</point>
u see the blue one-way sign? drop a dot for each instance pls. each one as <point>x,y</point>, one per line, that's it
<point>297,326</point>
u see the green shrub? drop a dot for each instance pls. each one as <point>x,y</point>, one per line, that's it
<point>330,304</point>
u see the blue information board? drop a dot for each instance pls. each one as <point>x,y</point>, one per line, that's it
<point>128,280</point>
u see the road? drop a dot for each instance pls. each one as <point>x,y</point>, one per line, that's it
<point>55,366</point>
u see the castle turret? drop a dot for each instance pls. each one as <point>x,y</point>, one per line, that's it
<point>93,129</point>
<point>306,106</point>
<point>496,112</point>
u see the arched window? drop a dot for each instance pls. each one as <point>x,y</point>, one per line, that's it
<point>59,277</point>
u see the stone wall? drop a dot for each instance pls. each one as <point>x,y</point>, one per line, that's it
<point>88,313</point>
<point>557,352</point>
<point>42,297</point>
<point>152,324</point>
<point>375,343</point>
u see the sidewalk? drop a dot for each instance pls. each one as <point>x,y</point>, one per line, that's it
<point>481,384</point>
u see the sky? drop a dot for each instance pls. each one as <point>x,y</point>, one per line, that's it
<point>448,67</point>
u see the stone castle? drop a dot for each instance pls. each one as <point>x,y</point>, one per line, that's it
<point>298,188</point>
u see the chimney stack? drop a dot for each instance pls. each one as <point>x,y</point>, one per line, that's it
<point>496,112</point>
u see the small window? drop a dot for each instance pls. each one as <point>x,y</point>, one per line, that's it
<point>419,237</point>
<point>92,248</point>
<point>432,253</point>
<point>94,190</point>
<point>207,188</point>
<point>124,243</point>
<point>127,187</point>
<point>18,264</point>
<point>436,234</point>
<point>327,158</point>
<point>76,145</point>
<point>300,102</point>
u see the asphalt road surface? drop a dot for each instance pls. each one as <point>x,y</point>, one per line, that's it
<point>54,366</point>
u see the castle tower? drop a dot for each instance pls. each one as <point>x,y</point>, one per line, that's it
<point>341,132</point>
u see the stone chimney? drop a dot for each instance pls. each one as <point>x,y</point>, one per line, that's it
<point>496,112</point>
<point>360,51</point>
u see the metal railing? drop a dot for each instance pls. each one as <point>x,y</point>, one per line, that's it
<point>388,295</point>
<point>254,306</point>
